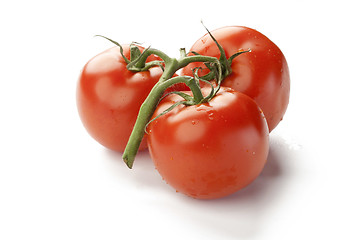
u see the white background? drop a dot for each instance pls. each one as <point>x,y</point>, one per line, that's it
<point>58,183</point>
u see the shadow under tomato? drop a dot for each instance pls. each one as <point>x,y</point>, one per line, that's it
<point>142,176</point>
<point>240,215</point>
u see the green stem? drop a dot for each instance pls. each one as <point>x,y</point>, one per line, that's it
<point>195,88</point>
<point>149,105</point>
<point>221,70</point>
<point>145,113</point>
<point>140,63</point>
<point>197,58</point>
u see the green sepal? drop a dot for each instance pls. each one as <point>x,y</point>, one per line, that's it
<point>164,112</point>
<point>232,57</point>
<point>134,52</point>
<point>117,44</point>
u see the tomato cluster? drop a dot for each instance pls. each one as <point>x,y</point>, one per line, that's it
<point>207,129</point>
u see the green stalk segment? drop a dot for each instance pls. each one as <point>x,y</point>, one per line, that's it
<point>149,105</point>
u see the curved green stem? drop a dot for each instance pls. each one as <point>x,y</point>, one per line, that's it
<point>149,105</point>
<point>190,82</point>
<point>195,88</point>
<point>137,63</point>
<point>146,111</point>
<point>197,58</point>
<point>140,63</point>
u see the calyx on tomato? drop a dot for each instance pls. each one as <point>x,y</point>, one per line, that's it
<point>137,62</point>
<point>225,62</point>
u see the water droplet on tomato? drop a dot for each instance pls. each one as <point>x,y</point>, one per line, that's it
<point>211,116</point>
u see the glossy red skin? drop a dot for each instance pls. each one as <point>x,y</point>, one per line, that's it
<point>109,97</point>
<point>177,87</point>
<point>210,150</point>
<point>262,74</point>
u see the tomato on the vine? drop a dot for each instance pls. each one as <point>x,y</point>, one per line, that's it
<point>262,74</point>
<point>212,149</point>
<point>109,96</point>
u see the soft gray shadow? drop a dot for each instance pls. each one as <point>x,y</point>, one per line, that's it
<point>142,175</point>
<point>240,215</point>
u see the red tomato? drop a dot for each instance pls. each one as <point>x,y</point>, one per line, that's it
<point>209,150</point>
<point>177,87</point>
<point>262,74</point>
<point>109,97</point>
